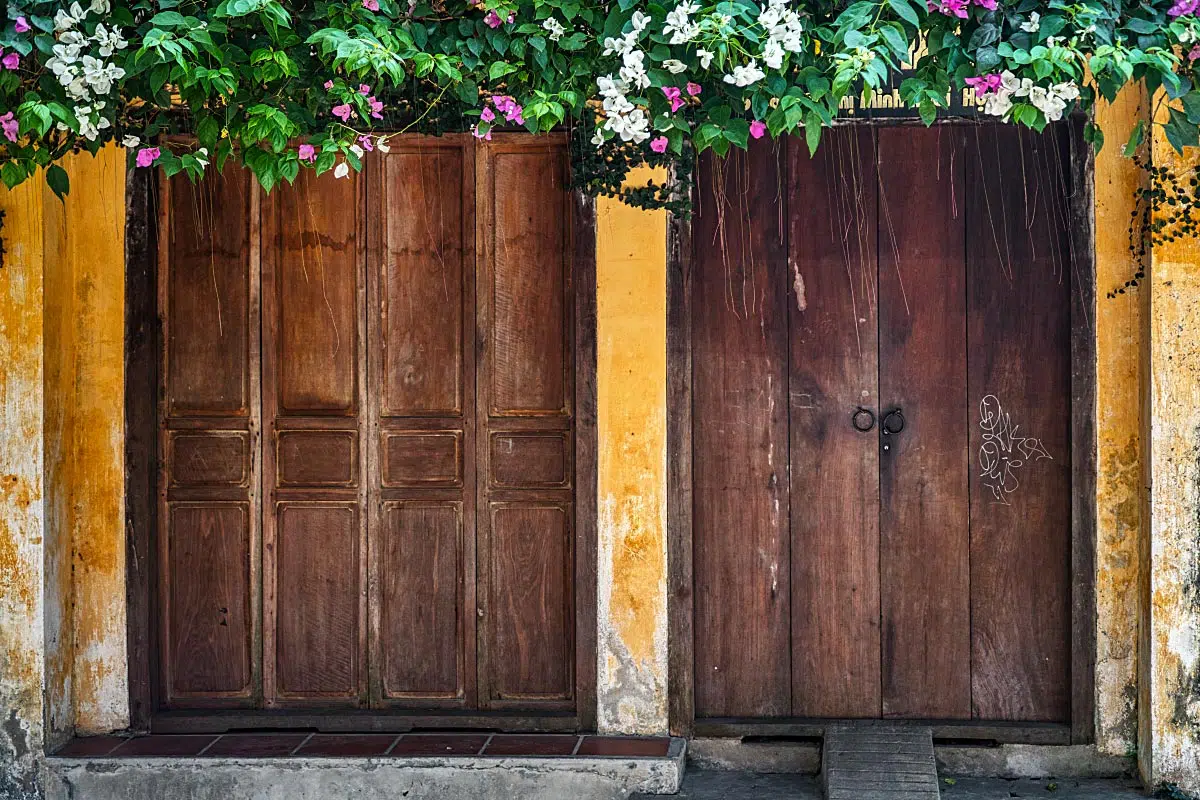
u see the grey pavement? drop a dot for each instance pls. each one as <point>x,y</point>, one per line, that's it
<point>721,785</point>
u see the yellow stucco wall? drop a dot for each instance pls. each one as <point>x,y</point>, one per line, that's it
<point>1169,740</point>
<point>631,379</point>
<point>1118,423</point>
<point>21,491</point>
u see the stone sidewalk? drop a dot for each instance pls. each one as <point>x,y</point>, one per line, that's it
<point>720,785</point>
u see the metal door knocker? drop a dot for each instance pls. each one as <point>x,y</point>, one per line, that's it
<point>863,419</point>
<point>893,421</point>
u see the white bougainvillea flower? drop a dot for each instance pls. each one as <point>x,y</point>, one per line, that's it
<point>1034,24</point>
<point>745,75</point>
<point>679,25</point>
<point>706,58</point>
<point>674,66</point>
<point>342,170</point>
<point>554,28</point>
<point>598,138</point>
<point>131,141</point>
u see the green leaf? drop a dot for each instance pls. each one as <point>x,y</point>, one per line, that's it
<point>1135,140</point>
<point>905,11</point>
<point>58,180</point>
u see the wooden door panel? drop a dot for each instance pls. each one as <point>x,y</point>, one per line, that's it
<point>834,467</point>
<point>530,606</point>
<point>1018,359</point>
<point>315,532</point>
<point>423,466</point>
<point>527,296</point>
<point>525,406</point>
<point>210,599</point>
<point>208,296</point>
<point>423,287</point>
<point>317,592</point>
<point>317,311</point>
<point>208,441</point>
<point>924,554</point>
<point>741,552</point>
<point>421,598</point>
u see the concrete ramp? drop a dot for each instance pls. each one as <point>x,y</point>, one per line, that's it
<point>879,762</point>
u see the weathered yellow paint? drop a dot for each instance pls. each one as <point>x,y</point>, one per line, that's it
<point>21,492</point>
<point>1118,425</point>
<point>631,378</point>
<point>1169,746</point>
<point>85,466</point>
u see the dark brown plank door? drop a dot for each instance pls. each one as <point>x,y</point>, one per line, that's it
<point>313,363</point>
<point>1018,358</point>
<point>525,439</point>
<point>422,398</point>
<point>740,533</point>
<point>926,640</point>
<point>208,439</point>
<point>835,468</point>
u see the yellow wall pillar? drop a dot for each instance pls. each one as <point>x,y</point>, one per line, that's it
<point>85,445</point>
<point>1169,735</point>
<point>22,606</point>
<point>631,379</point>
<point>1118,425</point>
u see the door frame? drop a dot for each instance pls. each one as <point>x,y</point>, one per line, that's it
<point>143,342</point>
<point>681,633</point>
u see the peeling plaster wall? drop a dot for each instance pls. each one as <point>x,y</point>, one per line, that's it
<point>1170,676</point>
<point>85,447</point>
<point>21,493</point>
<point>631,312</point>
<point>1119,331</point>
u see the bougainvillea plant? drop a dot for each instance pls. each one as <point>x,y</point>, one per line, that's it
<point>284,86</point>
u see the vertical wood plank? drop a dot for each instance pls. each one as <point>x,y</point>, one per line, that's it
<point>740,467</point>
<point>834,467</point>
<point>924,555</point>
<point>1019,306</point>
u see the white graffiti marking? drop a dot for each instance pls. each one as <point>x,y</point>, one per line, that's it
<point>1003,452</point>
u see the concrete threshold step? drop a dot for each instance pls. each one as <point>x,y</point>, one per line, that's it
<point>878,762</point>
<point>358,778</point>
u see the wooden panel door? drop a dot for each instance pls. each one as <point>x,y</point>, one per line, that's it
<point>314,525</point>
<point>525,426</point>
<point>740,439</point>
<point>881,410</point>
<point>208,441</point>
<point>924,553</point>
<point>422,379</point>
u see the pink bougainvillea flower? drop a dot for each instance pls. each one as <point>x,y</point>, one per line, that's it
<point>659,145</point>
<point>10,126</point>
<point>694,89</point>
<point>147,156</point>
<point>985,84</point>
<point>22,25</point>
<point>343,112</point>
<point>485,135</point>
<point>673,97</point>
<point>758,128</point>
<point>328,85</point>
<point>365,142</point>
<point>371,5</point>
<point>376,108</point>
<point>951,8</point>
<point>1183,7</point>
<point>493,20</point>
<point>990,5</point>
<point>307,153</point>
<point>11,61</point>
<point>364,89</point>
<point>511,17</point>
<point>487,115</point>
<point>509,108</point>
<point>1194,53</point>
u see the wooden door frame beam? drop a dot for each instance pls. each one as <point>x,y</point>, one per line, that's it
<point>681,634</point>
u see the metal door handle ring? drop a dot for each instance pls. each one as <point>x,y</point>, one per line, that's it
<point>893,422</point>
<point>856,419</point>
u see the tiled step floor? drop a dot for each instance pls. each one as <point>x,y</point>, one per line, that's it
<point>306,745</point>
